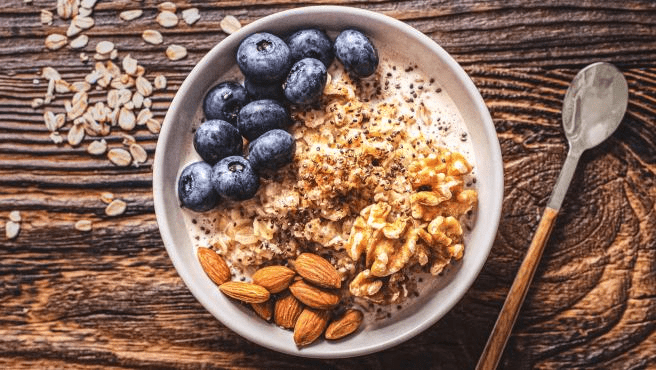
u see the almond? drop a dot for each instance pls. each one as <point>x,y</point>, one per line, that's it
<point>286,311</point>
<point>214,265</point>
<point>344,325</point>
<point>309,326</point>
<point>274,278</point>
<point>264,309</point>
<point>245,292</point>
<point>317,270</point>
<point>314,297</point>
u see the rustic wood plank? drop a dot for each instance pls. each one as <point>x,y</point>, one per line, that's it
<point>111,297</point>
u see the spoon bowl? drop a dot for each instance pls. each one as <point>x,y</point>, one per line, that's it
<point>594,105</point>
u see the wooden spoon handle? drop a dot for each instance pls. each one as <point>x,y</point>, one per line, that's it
<point>502,328</point>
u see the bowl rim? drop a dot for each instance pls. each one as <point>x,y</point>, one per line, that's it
<point>489,132</point>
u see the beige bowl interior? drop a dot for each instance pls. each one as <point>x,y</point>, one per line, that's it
<point>176,136</point>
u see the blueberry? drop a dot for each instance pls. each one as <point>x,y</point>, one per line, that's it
<point>356,52</point>
<point>195,188</point>
<point>305,82</point>
<point>260,116</point>
<point>272,150</point>
<point>216,139</point>
<point>311,43</point>
<point>224,101</point>
<point>264,58</point>
<point>261,91</point>
<point>234,178</point>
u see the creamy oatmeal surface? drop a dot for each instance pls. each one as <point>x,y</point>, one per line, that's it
<point>381,185</point>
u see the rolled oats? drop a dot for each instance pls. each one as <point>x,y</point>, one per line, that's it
<point>15,216</point>
<point>229,24</point>
<point>115,208</point>
<point>143,116</point>
<point>83,22</point>
<point>73,30</point>
<point>152,37</point>
<point>55,41</point>
<point>76,134</point>
<point>106,197</point>
<point>56,137</point>
<point>190,16</point>
<point>97,147</point>
<point>126,119</point>
<point>104,47</point>
<point>167,6</point>
<point>144,87</point>
<point>160,82</point>
<point>119,157</point>
<point>130,65</point>
<point>12,229</point>
<point>129,15</point>
<point>46,17</point>
<point>139,154</point>
<point>154,126</point>
<point>79,42</point>
<point>176,52</point>
<point>83,225</point>
<point>167,19</point>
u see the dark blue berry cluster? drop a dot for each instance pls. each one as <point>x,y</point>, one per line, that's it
<point>277,73</point>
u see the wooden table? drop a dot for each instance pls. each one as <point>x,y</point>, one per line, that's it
<point>111,297</point>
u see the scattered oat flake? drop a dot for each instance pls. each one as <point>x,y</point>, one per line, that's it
<point>160,82</point>
<point>50,73</point>
<point>137,100</point>
<point>106,197</point>
<point>147,102</point>
<point>152,37</point>
<point>176,52</point>
<point>56,138</point>
<point>46,17</point>
<point>79,42</point>
<point>113,55</point>
<point>143,116</point>
<point>15,216</point>
<point>60,120</point>
<point>80,86</point>
<point>83,22</point>
<point>167,6</point>
<point>144,87</point>
<point>130,65</point>
<point>115,208</point>
<point>89,4</point>
<point>139,154</point>
<point>167,19</point>
<point>119,157</point>
<point>104,47</point>
<point>129,15</point>
<point>97,147</point>
<point>154,126</point>
<point>12,229</point>
<point>76,134</point>
<point>37,102</point>
<point>67,8</point>
<point>190,16</point>
<point>85,12</point>
<point>73,30</point>
<point>229,24</point>
<point>84,57</point>
<point>83,225</point>
<point>62,87</point>
<point>126,119</point>
<point>50,120</point>
<point>55,41</point>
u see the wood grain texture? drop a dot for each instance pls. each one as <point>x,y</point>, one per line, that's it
<point>111,297</point>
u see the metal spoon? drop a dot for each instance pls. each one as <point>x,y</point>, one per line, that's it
<point>594,105</point>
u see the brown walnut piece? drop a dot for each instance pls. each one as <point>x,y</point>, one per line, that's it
<point>274,278</point>
<point>344,325</point>
<point>314,297</point>
<point>309,326</point>
<point>317,270</point>
<point>286,311</point>
<point>245,292</point>
<point>214,266</point>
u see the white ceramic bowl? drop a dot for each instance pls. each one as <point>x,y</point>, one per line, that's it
<point>383,30</point>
